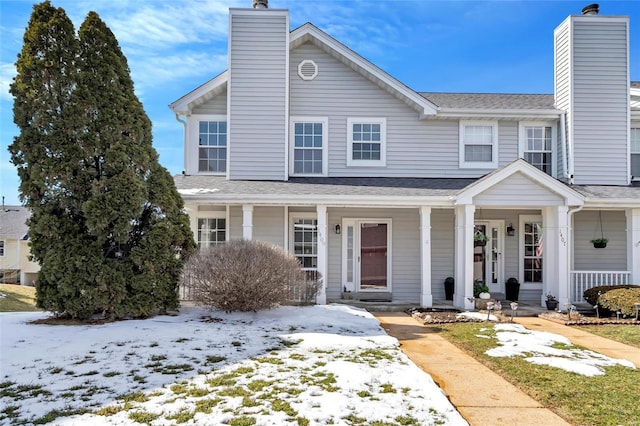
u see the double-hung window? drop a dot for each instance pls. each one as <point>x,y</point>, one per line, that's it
<point>211,231</point>
<point>635,153</point>
<point>367,142</point>
<point>2,248</point>
<point>536,145</point>
<point>478,144</point>
<point>305,240</point>
<point>309,147</point>
<point>212,146</point>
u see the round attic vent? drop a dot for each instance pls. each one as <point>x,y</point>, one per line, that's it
<point>307,69</point>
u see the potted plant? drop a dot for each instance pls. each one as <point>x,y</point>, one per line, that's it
<point>551,302</point>
<point>512,289</point>
<point>599,242</point>
<point>480,239</point>
<point>479,287</point>
<point>448,288</point>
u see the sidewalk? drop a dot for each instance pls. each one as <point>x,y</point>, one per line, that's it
<point>479,394</point>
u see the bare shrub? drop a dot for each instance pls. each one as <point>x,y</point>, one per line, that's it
<point>242,275</point>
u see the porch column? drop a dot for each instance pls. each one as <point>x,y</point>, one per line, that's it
<point>555,258</point>
<point>321,212</point>
<point>247,221</point>
<point>426,298</point>
<point>633,244</point>
<point>463,297</point>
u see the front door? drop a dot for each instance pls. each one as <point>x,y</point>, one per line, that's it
<point>366,259</point>
<point>488,262</point>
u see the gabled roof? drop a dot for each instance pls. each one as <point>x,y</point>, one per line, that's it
<point>13,224</point>
<point>310,33</point>
<point>572,197</point>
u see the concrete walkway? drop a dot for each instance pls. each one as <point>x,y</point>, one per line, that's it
<point>479,394</point>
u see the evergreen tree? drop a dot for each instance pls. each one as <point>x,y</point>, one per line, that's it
<point>107,223</point>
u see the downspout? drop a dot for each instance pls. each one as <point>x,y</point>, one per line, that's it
<point>567,151</point>
<point>184,142</point>
<point>570,256</point>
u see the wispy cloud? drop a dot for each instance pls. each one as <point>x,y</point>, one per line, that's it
<point>7,72</point>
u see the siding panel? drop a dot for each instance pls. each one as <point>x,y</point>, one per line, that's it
<point>586,228</point>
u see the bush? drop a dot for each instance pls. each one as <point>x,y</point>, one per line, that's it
<point>622,299</point>
<point>242,275</point>
<point>479,287</point>
<point>591,294</point>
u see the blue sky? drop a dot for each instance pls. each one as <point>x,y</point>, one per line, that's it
<point>173,46</point>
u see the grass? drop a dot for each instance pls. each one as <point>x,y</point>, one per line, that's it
<point>18,298</point>
<point>627,334</point>
<point>611,399</point>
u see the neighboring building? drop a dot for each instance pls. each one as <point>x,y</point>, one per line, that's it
<point>305,144</point>
<point>15,266</point>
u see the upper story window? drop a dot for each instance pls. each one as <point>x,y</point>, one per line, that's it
<point>635,153</point>
<point>537,141</point>
<point>1,248</point>
<point>212,146</point>
<point>309,147</point>
<point>478,144</point>
<point>367,142</point>
<point>211,231</point>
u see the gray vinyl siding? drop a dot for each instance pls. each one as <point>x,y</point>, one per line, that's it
<point>235,222</point>
<point>442,250</point>
<point>427,148</point>
<point>521,188</point>
<point>258,52</point>
<point>586,228</point>
<point>268,225</point>
<point>404,249</point>
<point>599,99</point>
<point>217,105</point>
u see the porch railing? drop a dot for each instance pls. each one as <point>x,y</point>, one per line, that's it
<point>583,280</point>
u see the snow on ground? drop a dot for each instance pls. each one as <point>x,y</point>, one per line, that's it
<point>312,365</point>
<point>539,347</point>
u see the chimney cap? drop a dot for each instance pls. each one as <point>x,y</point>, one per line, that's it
<point>260,4</point>
<point>591,9</point>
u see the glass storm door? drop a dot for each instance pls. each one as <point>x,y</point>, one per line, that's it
<point>373,257</point>
<point>488,264</point>
<point>365,255</point>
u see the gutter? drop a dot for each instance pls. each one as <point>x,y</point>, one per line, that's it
<point>567,151</point>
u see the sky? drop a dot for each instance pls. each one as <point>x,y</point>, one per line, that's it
<point>174,46</point>
<point>327,362</point>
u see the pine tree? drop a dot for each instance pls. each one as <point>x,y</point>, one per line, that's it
<point>108,228</point>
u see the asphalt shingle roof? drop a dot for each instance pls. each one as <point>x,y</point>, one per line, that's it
<point>490,100</point>
<point>13,222</point>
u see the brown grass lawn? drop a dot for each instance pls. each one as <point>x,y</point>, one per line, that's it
<point>17,298</point>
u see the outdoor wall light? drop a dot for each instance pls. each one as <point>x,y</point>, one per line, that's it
<point>511,231</point>
<point>338,229</point>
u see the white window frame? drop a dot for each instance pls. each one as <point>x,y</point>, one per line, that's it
<point>522,137</point>
<point>292,218</point>
<point>212,215</point>
<point>3,247</point>
<point>523,219</point>
<point>631,152</point>
<point>382,162</point>
<point>494,145</point>
<point>193,150</point>
<point>325,150</point>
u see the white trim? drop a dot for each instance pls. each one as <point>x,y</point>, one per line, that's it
<point>325,143</point>
<point>382,162</point>
<point>426,295</point>
<point>212,214</point>
<point>287,90</point>
<point>192,161</point>
<point>247,221</point>
<point>522,141</point>
<point>463,164</point>
<point>293,216</point>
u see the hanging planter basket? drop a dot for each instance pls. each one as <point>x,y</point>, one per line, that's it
<point>599,242</point>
